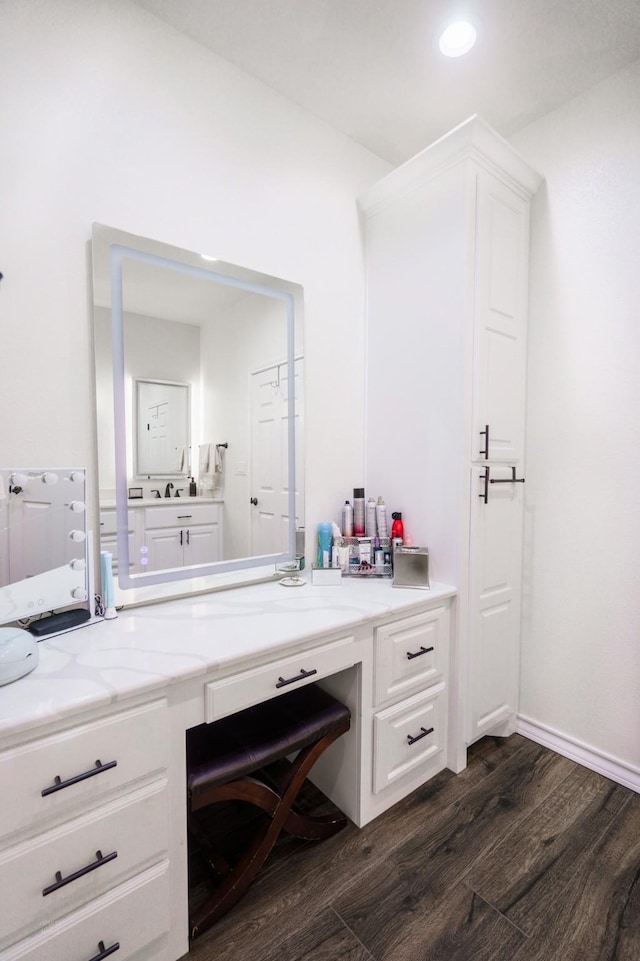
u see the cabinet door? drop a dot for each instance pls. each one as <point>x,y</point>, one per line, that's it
<point>500,321</point>
<point>202,544</point>
<point>164,548</point>
<point>495,561</point>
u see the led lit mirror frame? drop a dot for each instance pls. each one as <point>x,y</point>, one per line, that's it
<point>122,249</point>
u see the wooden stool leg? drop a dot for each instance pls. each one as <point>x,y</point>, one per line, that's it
<point>235,884</point>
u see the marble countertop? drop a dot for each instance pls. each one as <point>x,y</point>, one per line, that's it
<point>110,503</point>
<point>147,648</point>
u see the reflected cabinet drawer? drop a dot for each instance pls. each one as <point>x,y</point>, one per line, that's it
<point>109,521</point>
<point>411,654</point>
<point>410,735</point>
<point>130,916</point>
<point>232,694</point>
<point>182,514</point>
<point>51,777</point>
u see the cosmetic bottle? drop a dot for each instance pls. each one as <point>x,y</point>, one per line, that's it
<point>347,520</point>
<point>324,545</point>
<point>378,557</point>
<point>358,511</point>
<point>192,488</point>
<point>397,530</point>
<point>370,518</point>
<point>381,518</point>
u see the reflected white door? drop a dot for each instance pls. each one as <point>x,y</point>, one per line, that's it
<point>269,503</point>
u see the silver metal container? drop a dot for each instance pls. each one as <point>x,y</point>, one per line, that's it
<point>411,567</point>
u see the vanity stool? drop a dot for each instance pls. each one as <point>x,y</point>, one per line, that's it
<point>242,758</point>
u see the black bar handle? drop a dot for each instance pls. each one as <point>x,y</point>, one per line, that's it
<point>282,681</point>
<point>418,737</point>
<point>59,784</point>
<point>188,541</point>
<point>423,650</point>
<point>509,480</point>
<point>105,952</point>
<point>60,881</point>
<point>184,517</point>
<point>181,535</point>
<point>485,452</point>
<point>485,493</point>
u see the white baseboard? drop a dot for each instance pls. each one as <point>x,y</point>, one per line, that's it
<point>606,764</point>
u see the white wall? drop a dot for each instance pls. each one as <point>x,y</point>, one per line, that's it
<point>108,115</point>
<point>581,643</point>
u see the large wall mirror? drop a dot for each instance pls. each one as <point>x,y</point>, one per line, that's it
<point>199,381</point>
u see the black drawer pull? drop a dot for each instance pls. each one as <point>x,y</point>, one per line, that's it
<point>105,952</point>
<point>60,881</point>
<point>184,517</point>
<point>423,650</point>
<point>282,681</point>
<point>59,784</point>
<point>508,480</point>
<point>424,732</point>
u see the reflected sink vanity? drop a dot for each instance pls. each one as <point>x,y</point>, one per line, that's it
<point>166,533</point>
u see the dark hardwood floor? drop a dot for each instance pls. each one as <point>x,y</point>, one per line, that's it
<point>525,856</point>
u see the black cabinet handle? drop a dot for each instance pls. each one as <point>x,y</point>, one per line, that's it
<point>188,542</point>
<point>508,480</point>
<point>485,453</point>
<point>105,952</point>
<point>59,784</point>
<point>485,494</point>
<point>423,650</point>
<point>60,881</point>
<point>282,682</point>
<point>181,533</point>
<point>184,517</point>
<point>424,731</point>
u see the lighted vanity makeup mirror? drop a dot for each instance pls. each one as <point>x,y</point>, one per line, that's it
<point>206,357</point>
<point>43,543</point>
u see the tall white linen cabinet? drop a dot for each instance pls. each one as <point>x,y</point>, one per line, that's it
<point>447,246</point>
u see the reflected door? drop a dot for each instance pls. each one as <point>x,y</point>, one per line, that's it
<point>269,504</point>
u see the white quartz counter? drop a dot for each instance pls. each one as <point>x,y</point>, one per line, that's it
<point>150,647</point>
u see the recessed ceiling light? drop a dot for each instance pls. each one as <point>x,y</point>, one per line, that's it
<point>458,38</point>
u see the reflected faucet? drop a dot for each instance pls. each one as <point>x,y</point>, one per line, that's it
<point>168,489</point>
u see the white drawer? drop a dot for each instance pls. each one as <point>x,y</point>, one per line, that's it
<point>400,742</point>
<point>411,654</point>
<point>136,740</point>
<point>90,853</point>
<point>131,915</point>
<point>252,687</point>
<point>181,515</point>
<point>109,521</point>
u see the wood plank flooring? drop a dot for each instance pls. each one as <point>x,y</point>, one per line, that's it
<point>525,856</point>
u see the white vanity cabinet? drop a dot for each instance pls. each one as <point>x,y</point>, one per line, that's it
<point>93,834</point>
<point>410,707</point>
<point>447,264</point>
<point>182,534</point>
<point>85,839</point>
<point>109,534</point>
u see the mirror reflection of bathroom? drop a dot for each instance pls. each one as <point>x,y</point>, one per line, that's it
<point>206,408</point>
<point>43,545</point>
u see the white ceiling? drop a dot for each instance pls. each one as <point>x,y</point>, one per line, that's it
<point>371,68</point>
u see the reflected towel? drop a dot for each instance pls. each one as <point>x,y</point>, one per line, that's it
<point>204,458</point>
